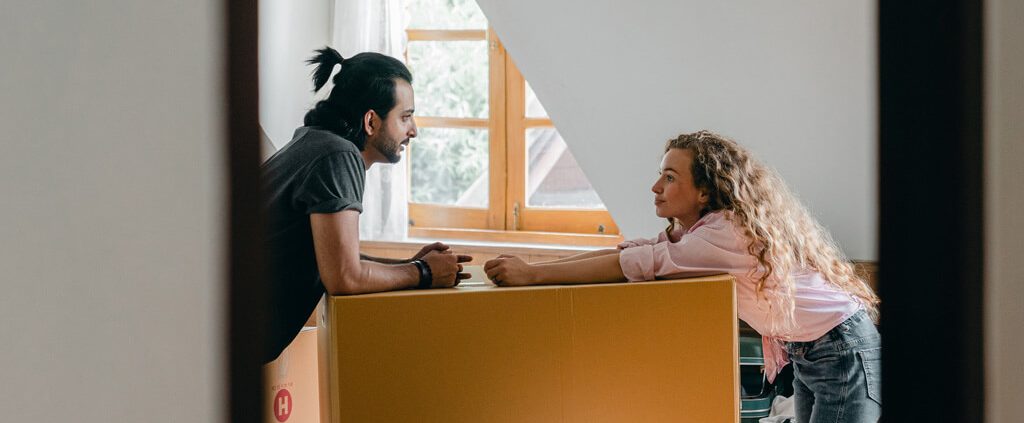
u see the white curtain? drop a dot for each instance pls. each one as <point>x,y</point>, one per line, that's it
<point>378,26</point>
<point>289,32</point>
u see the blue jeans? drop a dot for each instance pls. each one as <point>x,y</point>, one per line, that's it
<point>838,377</point>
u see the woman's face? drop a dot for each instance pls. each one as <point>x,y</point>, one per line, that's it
<point>675,195</point>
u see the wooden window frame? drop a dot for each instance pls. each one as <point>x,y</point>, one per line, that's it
<point>507,217</point>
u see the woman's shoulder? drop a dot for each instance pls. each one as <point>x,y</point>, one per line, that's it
<point>720,228</point>
<point>714,221</point>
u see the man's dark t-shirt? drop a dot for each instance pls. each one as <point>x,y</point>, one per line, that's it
<point>317,172</point>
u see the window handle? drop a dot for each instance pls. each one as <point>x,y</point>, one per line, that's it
<point>515,216</point>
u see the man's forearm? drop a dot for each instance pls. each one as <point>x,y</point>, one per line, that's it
<point>336,244</point>
<point>380,277</point>
<point>382,259</point>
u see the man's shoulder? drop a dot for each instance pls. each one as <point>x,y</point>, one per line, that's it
<point>308,146</point>
<point>325,142</point>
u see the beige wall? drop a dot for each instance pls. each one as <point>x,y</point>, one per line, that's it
<point>111,221</point>
<point>793,80</point>
<point>1004,214</point>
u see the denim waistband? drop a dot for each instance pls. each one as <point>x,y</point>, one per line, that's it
<point>845,333</point>
<point>860,316</point>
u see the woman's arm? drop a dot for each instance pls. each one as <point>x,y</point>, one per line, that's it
<point>575,257</point>
<point>596,268</point>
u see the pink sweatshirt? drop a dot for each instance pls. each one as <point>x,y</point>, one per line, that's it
<point>715,245</point>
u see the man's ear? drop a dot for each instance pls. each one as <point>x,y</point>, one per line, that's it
<point>370,122</point>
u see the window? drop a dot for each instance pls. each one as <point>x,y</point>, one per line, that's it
<point>488,162</point>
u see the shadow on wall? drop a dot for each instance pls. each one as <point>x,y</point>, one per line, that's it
<point>267,148</point>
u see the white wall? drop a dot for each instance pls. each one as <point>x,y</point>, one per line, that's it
<point>1004,202</point>
<point>111,222</point>
<point>793,80</point>
<point>289,32</point>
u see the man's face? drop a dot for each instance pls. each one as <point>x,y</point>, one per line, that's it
<point>398,127</point>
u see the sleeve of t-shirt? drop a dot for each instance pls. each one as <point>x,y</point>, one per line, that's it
<point>334,183</point>
<point>708,250</point>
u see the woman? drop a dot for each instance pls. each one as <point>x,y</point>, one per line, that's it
<point>728,213</point>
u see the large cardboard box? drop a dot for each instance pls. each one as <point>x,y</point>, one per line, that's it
<point>639,352</point>
<point>291,385</point>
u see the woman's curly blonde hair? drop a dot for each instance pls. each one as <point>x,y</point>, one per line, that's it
<point>783,236</point>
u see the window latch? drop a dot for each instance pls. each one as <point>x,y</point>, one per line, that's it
<point>515,216</point>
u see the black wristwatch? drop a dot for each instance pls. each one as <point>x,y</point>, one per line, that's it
<point>426,278</point>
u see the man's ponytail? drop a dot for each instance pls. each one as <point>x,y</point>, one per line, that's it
<point>325,59</point>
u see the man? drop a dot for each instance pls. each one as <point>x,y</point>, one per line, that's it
<point>313,189</point>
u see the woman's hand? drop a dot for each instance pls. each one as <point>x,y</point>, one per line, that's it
<point>506,270</point>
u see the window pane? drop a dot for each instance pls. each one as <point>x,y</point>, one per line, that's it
<point>533,107</point>
<point>449,166</point>
<point>553,179</point>
<point>444,14</point>
<point>449,78</point>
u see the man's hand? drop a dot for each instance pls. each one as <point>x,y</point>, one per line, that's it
<point>437,246</point>
<point>509,270</point>
<point>445,267</point>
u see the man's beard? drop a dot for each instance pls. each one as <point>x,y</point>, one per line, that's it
<point>392,152</point>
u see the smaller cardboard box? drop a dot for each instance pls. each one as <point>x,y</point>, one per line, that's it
<point>291,386</point>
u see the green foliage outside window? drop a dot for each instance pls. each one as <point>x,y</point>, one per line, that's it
<point>449,165</point>
<point>450,79</point>
<point>444,14</point>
